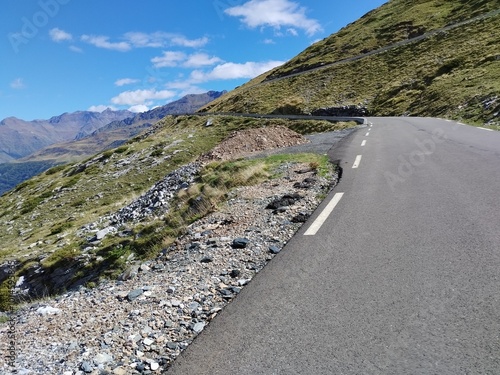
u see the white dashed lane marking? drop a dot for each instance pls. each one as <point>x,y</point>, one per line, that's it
<point>357,161</point>
<point>316,225</point>
<point>363,143</point>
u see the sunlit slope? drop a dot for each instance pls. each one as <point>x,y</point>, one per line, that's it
<point>451,73</point>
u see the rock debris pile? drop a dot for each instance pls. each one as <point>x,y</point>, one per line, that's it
<point>158,196</point>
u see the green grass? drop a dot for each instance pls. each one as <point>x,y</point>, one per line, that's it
<point>391,23</point>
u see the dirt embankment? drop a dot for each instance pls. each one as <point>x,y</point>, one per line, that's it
<point>246,142</point>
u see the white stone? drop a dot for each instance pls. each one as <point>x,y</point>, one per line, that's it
<point>48,310</point>
<point>102,358</point>
<point>154,366</point>
<point>198,327</point>
<point>119,371</point>
<point>20,282</point>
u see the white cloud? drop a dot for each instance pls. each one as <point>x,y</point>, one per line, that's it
<point>75,49</point>
<point>168,59</point>
<point>192,43</point>
<point>177,58</point>
<point>101,41</point>
<point>139,108</point>
<point>197,60</point>
<point>136,97</point>
<point>178,85</point>
<point>101,108</point>
<point>18,84</point>
<point>125,81</point>
<point>58,35</point>
<point>185,88</point>
<point>135,39</point>
<point>269,41</point>
<point>274,13</point>
<point>161,39</point>
<point>292,31</point>
<point>138,39</point>
<point>234,71</point>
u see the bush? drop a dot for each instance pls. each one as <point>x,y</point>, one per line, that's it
<point>55,169</point>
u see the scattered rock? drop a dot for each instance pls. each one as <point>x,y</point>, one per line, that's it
<point>235,273</point>
<point>284,201</point>
<point>86,367</point>
<point>306,184</point>
<point>134,294</point>
<point>120,371</point>
<point>102,358</point>
<point>156,200</point>
<point>104,232</point>
<point>172,345</point>
<point>187,286</point>
<point>198,327</point>
<point>48,310</point>
<point>240,243</point>
<point>300,218</point>
<point>171,290</point>
<point>274,249</point>
<point>129,273</point>
<point>206,260</point>
<point>154,366</point>
<point>144,268</point>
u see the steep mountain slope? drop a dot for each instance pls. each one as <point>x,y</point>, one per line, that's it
<point>19,138</point>
<point>424,57</point>
<point>57,225</point>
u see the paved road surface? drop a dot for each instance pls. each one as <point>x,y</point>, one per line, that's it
<point>403,277</point>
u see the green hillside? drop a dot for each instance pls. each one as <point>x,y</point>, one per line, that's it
<point>47,223</point>
<point>419,58</point>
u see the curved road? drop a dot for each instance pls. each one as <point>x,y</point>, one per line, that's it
<point>401,277</point>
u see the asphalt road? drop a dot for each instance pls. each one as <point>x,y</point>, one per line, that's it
<point>403,276</point>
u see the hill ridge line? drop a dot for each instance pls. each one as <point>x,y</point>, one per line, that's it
<point>384,49</point>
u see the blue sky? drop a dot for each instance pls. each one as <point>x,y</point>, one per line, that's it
<point>67,55</point>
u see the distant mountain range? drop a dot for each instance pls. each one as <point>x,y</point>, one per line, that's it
<point>19,138</point>
<point>118,132</point>
<point>30,147</point>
